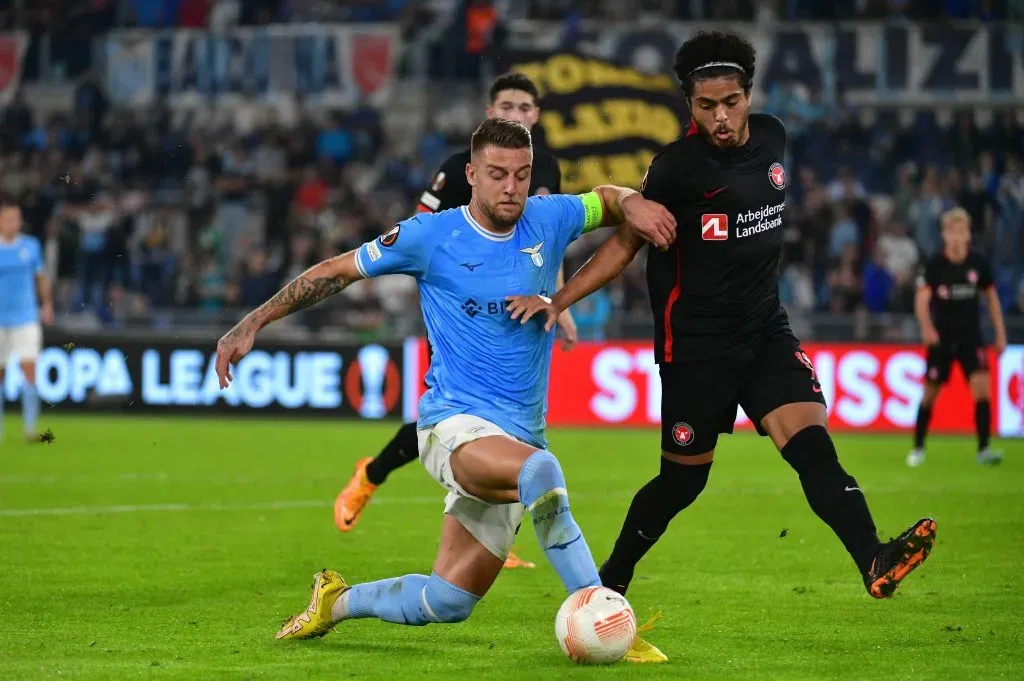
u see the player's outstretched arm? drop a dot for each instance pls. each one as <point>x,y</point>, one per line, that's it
<point>607,263</point>
<point>319,282</point>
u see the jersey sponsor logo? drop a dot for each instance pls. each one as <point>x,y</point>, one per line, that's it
<point>764,219</point>
<point>391,237</point>
<point>439,180</point>
<point>777,174</point>
<point>373,251</point>
<point>956,291</point>
<point>712,193</point>
<point>430,201</point>
<point>714,227</point>
<point>473,307</point>
<point>536,257</point>
<point>682,433</point>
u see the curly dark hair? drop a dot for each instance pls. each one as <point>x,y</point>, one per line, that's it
<point>715,47</point>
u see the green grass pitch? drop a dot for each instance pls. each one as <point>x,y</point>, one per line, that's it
<point>172,549</point>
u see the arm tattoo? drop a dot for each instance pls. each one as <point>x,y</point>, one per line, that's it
<point>304,292</point>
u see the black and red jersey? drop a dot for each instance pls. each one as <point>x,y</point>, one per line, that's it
<point>955,290</point>
<point>716,290</point>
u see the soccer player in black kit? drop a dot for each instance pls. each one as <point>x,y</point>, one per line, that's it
<point>948,291</point>
<point>512,96</point>
<point>722,338</point>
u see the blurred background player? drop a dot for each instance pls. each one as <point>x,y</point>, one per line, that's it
<point>481,426</point>
<point>949,288</point>
<point>722,337</point>
<point>25,300</point>
<point>513,96</point>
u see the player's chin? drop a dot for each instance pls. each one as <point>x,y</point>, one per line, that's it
<point>507,214</point>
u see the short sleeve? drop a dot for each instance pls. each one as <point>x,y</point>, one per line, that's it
<point>660,183</point>
<point>565,215</point>
<point>442,194</point>
<point>37,254</point>
<point>403,250</point>
<point>926,275</point>
<point>986,279</point>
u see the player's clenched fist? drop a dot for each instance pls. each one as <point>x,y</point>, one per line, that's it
<point>525,308</point>
<point>650,219</point>
<point>231,348</point>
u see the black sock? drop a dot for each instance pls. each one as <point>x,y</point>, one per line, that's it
<point>403,448</point>
<point>983,422</point>
<point>924,417</point>
<point>834,496</point>
<point>657,502</point>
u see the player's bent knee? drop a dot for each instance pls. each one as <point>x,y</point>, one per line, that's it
<point>540,474</point>
<point>810,449</point>
<point>981,386</point>
<point>445,603</point>
<point>682,482</point>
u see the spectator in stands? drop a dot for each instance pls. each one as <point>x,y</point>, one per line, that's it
<point>1011,214</point>
<point>931,203</point>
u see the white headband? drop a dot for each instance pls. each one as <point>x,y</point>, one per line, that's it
<point>730,64</point>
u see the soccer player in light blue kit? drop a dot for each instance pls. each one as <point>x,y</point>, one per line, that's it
<point>24,301</point>
<point>481,424</point>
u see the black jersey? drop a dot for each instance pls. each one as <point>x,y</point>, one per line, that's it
<point>450,189</point>
<point>955,287</point>
<point>716,290</point>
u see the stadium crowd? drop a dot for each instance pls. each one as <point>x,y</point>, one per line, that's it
<point>146,214</point>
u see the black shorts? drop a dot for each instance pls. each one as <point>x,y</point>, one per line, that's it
<point>971,357</point>
<point>699,399</point>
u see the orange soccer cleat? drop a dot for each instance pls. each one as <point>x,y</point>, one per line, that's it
<point>349,505</point>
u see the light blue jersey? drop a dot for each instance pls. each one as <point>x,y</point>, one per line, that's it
<point>484,363</point>
<point>20,261</point>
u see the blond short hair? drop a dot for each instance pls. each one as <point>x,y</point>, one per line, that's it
<point>955,215</point>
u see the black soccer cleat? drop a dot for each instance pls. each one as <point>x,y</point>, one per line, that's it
<point>898,557</point>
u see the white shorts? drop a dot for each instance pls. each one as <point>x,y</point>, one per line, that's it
<point>493,525</point>
<point>25,341</point>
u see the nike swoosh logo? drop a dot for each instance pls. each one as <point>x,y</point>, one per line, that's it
<point>852,489</point>
<point>566,544</point>
<point>714,192</point>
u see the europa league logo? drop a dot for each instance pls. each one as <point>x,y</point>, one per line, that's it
<point>373,365</point>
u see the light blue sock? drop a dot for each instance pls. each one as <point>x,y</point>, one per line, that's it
<point>29,406</point>
<point>542,491</point>
<point>413,599</point>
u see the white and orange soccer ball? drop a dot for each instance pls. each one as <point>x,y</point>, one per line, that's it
<point>595,625</point>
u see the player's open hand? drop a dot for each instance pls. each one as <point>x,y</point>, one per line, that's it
<point>231,348</point>
<point>568,331</point>
<point>651,220</point>
<point>524,308</point>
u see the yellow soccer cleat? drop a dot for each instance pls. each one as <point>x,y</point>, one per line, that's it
<point>315,621</point>
<point>643,652</point>
<point>353,498</point>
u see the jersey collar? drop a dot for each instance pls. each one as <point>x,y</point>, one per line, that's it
<point>486,233</point>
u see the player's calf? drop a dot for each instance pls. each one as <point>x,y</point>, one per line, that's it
<point>677,485</point>
<point>542,491</point>
<point>833,494</point>
<point>414,600</point>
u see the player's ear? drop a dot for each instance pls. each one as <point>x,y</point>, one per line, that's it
<point>471,173</point>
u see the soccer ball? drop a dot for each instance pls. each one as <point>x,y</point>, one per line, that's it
<point>595,625</point>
